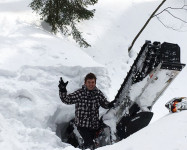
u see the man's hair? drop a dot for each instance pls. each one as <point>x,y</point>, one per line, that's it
<point>90,76</point>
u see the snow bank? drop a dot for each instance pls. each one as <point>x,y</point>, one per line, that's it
<point>168,133</point>
<point>30,106</point>
<point>32,60</point>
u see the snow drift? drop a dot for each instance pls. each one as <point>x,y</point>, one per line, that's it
<point>32,61</point>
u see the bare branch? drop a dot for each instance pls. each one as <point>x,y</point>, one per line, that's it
<point>169,12</point>
<point>166,9</point>
<point>169,27</point>
<point>136,37</point>
<point>176,16</point>
<point>165,25</point>
<point>184,7</point>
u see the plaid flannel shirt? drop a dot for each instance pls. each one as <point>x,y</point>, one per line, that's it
<point>87,105</point>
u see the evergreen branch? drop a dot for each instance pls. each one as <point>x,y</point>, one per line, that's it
<point>78,37</point>
<point>62,15</point>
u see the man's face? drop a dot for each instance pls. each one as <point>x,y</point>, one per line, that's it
<point>90,84</point>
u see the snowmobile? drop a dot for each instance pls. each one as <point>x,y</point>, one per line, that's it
<point>177,104</point>
<point>154,69</point>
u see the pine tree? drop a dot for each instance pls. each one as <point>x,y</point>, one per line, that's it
<point>62,15</point>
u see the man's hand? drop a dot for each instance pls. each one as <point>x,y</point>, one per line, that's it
<point>62,85</point>
<point>112,103</point>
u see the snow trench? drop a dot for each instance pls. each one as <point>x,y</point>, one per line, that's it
<point>30,105</point>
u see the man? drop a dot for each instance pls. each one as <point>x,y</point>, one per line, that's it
<point>87,101</point>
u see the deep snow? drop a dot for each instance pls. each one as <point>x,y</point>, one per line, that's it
<point>32,60</point>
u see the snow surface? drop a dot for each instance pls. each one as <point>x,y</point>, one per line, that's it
<point>32,60</point>
<point>151,87</point>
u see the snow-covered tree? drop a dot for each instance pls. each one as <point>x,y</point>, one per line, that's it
<point>62,15</point>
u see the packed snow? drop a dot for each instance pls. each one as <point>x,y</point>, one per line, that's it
<point>145,93</point>
<point>32,60</point>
